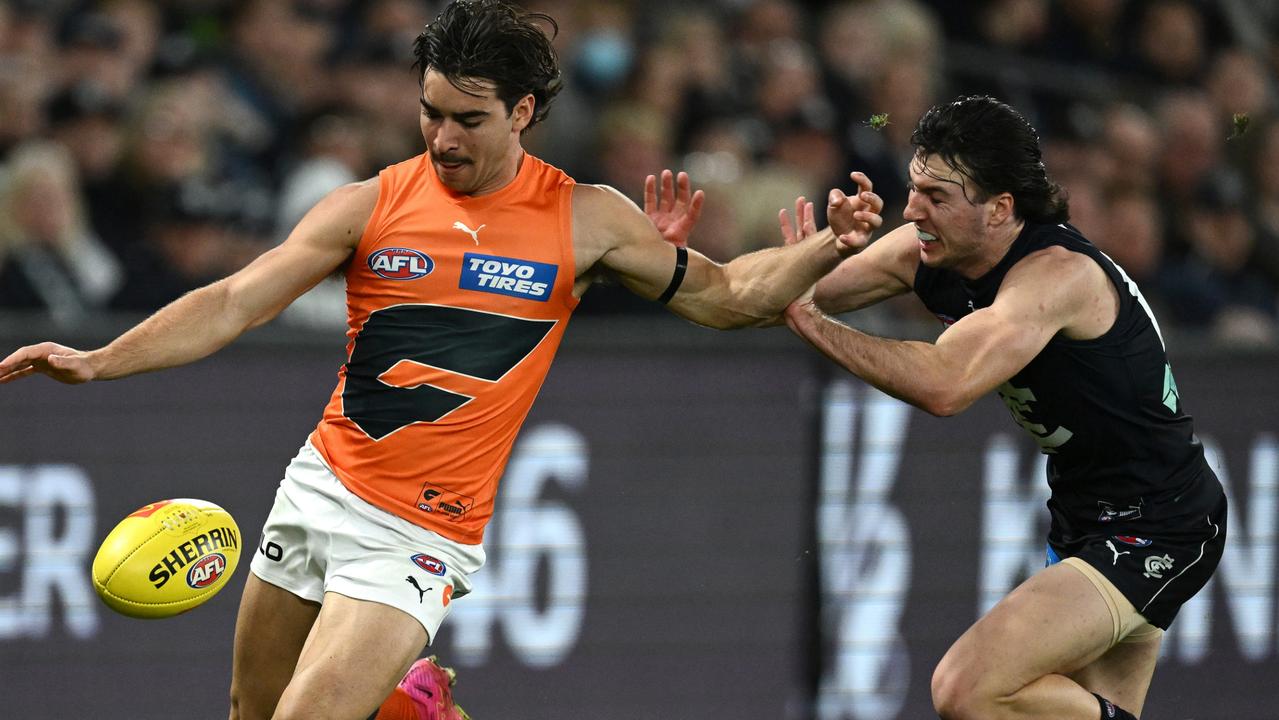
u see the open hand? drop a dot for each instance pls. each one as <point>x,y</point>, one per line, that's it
<point>59,362</point>
<point>855,218</point>
<point>675,209</point>
<point>805,223</point>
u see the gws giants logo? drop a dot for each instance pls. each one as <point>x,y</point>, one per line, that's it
<point>437,499</point>
<point>206,570</point>
<point>400,264</point>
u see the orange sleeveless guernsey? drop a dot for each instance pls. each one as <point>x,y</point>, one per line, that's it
<point>455,306</point>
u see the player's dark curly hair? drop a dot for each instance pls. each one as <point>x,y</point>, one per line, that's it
<point>472,41</point>
<point>994,146</point>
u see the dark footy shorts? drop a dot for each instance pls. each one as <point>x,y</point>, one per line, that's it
<point>1156,573</point>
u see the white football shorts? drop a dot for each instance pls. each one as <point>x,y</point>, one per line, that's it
<point>320,537</point>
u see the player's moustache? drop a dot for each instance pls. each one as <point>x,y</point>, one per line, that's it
<point>451,159</point>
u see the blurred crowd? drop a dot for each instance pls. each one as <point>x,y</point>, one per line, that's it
<point>148,147</point>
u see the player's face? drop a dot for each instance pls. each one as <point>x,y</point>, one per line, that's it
<point>951,228</point>
<point>474,143</point>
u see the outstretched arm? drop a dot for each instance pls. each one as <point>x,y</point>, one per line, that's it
<point>610,232</point>
<point>205,320</point>
<point>884,269</point>
<point>1039,297</point>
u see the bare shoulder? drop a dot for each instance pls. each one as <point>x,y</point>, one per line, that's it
<point>603,219</point>
<point>1066,286</point>
<point>341,216</point>
<point>1058,269</point>
<point>599,203</point>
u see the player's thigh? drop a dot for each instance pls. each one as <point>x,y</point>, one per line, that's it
<point>1054,622</point>
<point>1123,674</point>
<point>356,653</point>
<point>270,631</point>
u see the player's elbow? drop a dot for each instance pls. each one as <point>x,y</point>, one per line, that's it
<point>944,402</point>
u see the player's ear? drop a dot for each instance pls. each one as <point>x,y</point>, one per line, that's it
<point>522,113</point>
<point>1002,209</point>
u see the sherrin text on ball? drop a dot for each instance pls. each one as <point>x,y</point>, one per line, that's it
<point>166,558</point>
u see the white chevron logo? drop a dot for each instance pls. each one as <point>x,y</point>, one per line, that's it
<point>475,234</point>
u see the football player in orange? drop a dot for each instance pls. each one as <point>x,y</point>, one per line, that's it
<point>462,267</point>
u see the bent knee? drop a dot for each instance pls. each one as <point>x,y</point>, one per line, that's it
<point>960,694</point>
<point>951,691</point>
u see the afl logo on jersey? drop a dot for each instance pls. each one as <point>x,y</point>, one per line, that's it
<point>400,264</point>
<point>1133,540</point>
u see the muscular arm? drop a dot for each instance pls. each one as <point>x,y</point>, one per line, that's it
<point>205,320</point>
<point>609,232</point>
<point>884,269</point>
<point>1044,294</point>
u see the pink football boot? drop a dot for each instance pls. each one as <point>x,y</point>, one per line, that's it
<point>425,693</point>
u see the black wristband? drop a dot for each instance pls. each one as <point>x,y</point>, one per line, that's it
<point>681,264</point>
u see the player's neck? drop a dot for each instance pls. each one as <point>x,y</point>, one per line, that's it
<point>996,247</point>
<point>509,170</point>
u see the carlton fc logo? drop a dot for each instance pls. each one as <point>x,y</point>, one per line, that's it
<point>401,264</point>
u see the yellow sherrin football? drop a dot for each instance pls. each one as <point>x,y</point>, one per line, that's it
<point>166,558</point>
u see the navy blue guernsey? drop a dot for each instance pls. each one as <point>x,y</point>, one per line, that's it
<point>1122,454</point>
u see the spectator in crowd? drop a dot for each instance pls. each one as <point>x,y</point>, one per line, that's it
<point>23,92</point>
<point>89,123</point>
<point>903,86</point>
<point>276,65</point>
<point>1131,147</point>
<point>140,27</point>
<point>631,135</point>
<point>92,50</point>
<point>194,233</point>
<point>50,259</point>
<point>1215,286</point>
<point>170,138</point>
<point>1088,33</point>
<point>1132,235</point>
<point>369,78</point>
<point>336,150</point>
<point>1238,86</point>
<point>851,54</point>
<point>1265,174</point>
<point>1192,138</point>
<point>1171,44</point>
<point>1019,25</point>
<point>697,38</point>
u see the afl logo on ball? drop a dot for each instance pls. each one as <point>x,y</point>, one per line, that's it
<point>429,564</point>
<point>400,264</point>
<point>206,571</point>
